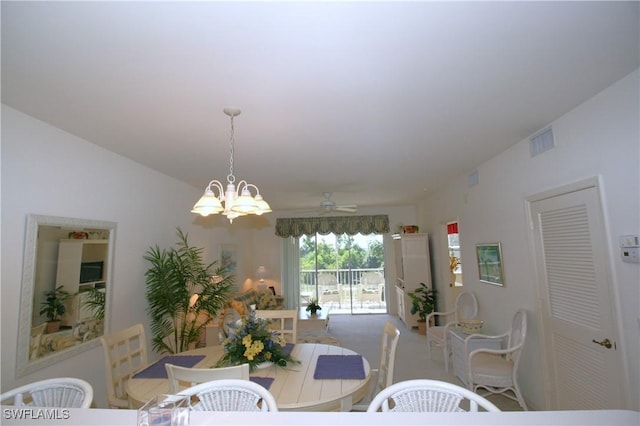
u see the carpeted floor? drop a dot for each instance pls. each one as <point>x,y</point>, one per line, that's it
<point>362,333</point>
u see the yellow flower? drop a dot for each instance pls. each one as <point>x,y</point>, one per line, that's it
<point>246,341</point>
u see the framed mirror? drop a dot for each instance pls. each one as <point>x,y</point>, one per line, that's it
<point>66,282</point>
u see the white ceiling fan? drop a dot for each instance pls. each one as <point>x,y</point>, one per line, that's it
<point>328,205</point>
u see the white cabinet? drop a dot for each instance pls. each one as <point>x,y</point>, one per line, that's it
<point>412,268</point>
<point>459,355</point>
<point>82,265</point>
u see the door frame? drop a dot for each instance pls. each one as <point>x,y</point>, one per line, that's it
<point>545,349</point>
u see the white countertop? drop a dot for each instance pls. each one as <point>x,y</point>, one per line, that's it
<point>89,417</point>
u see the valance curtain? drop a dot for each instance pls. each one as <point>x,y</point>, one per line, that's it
<point>352,225</point>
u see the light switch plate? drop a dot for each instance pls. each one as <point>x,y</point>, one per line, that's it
<point>629,241</point>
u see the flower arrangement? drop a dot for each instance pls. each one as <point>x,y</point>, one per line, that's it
<point>252,342</point>
<point>453,262</point>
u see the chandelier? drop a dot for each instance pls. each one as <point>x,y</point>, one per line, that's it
<point>237,202</point>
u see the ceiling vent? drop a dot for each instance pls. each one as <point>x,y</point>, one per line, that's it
<point>473,179</point>
<point>541,142</point>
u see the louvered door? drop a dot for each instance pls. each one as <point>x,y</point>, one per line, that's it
<point>577,309</point>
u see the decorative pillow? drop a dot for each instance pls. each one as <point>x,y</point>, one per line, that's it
<point>266,300</point>
<point>239,307</point>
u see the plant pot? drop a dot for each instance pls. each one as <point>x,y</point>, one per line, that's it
<point>53,326</point>
<point>422,327</point>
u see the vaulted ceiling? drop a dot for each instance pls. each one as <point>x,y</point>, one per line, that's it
<point>376,102</point>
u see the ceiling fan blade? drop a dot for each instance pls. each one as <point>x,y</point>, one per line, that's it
<point>346,209</point>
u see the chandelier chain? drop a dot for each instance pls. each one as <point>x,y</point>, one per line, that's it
<point>230,177</point>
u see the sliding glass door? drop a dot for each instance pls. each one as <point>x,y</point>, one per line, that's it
<point>344,273</point>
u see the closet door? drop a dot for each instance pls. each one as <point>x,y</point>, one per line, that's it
<point>585,367</point>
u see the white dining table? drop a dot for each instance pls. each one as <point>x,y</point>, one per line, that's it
<point>293,387</point>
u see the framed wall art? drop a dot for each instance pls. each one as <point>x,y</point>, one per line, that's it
<point>490,263</point>
<point>229,257</point>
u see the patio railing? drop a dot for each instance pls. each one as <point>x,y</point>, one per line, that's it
<point>348,290</point>
<point>343,276</point>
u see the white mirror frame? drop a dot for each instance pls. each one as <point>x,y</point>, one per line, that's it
<point>24,365</point>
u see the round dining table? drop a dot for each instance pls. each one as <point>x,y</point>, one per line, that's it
<point>294,386</point>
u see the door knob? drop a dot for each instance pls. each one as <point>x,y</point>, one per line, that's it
<point>606,343</point>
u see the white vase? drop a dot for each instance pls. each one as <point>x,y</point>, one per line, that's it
<point>264,365</point>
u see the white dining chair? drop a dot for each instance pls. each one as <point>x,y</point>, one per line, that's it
<point>178,375</point>
<point>283,320</point>
<point>466,307</point>
<point>423,395</point>
<point>496,370</point>
<point>383,375</point>
<point>231,395</point>
<point>125,353</point>
<point>62,392</point>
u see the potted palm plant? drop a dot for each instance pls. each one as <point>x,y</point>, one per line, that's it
<point>423,302</point>
<point>184,294</point>
<point>53,307</point>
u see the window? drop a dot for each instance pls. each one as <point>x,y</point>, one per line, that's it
<point>453,237</point>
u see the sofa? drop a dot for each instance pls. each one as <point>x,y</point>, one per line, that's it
<point>238,306</point>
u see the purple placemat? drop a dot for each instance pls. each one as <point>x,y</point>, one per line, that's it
<point>157,370</point>
<point>288,348</point>
<point>265,382</point>
<point>339,367</point>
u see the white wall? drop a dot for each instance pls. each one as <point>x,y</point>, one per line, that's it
<point>599,138</point>
<point>49,172</point>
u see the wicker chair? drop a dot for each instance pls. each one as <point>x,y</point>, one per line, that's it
<point>193,376</point>
<point>63,392</point>
<point>328,289</point>
<point>496,369</point>
<point>466,307</point>
<point>231,395</point>
<point>371,288</point>
<point>422,395</point>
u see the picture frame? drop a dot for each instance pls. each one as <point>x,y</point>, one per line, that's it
<point>229,257</point>
<point>490,268</point>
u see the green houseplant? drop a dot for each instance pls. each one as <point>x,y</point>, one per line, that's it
<point>184,294</point>
<point>96,301</point>
<point>53,307</point>
<point>423,302</point>
<point>313,306</point>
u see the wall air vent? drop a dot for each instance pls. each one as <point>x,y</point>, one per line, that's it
<point>541,142</point>
<point>473,179</point>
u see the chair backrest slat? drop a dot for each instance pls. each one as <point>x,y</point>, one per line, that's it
<point>181,376</point>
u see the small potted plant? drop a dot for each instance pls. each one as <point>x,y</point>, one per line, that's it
<point>54,307</point>
<point>313,306</point>
<point>423,302</point>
